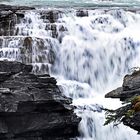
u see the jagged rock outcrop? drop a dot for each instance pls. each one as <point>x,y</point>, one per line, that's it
<point>32,106</point>
<point>129,93</point>
<point>130,87</point>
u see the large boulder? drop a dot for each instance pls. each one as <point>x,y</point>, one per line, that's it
<point>130,87</point>
<point>32,106</point>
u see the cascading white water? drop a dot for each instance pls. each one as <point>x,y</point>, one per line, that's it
<point>92,54</point>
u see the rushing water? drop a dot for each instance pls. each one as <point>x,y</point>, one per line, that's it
<point>88,55</point>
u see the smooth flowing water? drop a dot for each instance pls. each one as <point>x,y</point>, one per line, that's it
<point>88,55</point>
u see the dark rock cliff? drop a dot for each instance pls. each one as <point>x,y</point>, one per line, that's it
<point>129,93</point>
<point>32,106</point>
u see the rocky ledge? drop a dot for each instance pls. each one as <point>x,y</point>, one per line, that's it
<point>32,106</point>
<point>9,17</point>
<point>129,93</point>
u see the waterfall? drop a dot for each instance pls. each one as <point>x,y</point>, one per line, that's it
<point>88,51</point>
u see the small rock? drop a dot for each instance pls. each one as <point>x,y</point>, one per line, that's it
<point>81,13</point>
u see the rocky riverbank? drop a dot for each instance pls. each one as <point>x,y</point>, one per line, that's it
<point>32,107</point>
<point>129,93</point>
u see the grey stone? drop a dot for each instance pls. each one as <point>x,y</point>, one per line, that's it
<point>32,106</point>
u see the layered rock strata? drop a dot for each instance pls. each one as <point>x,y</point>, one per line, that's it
<point>32,106</point>
<point>129,93</point>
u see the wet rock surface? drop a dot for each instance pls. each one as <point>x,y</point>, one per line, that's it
<point>133,122</point>
<point>32,106</point>
<point>129,92</point>
<point>8,18</point>
<point>130,87</point>
<point>50,15</point>
<point>81,13</point>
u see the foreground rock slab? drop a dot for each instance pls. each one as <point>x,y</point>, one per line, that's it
<point>32,106</point>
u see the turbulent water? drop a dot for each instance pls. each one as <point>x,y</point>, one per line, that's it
<point>88,55</point>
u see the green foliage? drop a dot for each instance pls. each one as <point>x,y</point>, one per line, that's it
<point>129,113</point>
<point>111,117</point>
<point>132,105</point>
<point>135,99</point>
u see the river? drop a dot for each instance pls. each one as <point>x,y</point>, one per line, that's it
<point>92,54</point>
